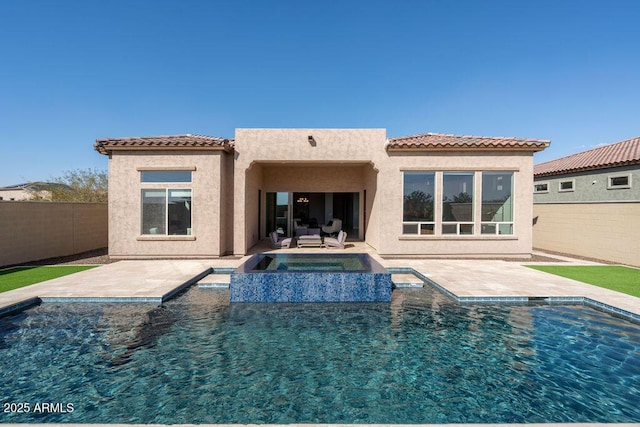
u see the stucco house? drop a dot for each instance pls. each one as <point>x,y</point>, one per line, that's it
<point>588,203</point>
<point>428,194</point>
<point>27,191</point>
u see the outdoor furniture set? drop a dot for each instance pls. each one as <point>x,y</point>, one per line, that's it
<point>310,237</point>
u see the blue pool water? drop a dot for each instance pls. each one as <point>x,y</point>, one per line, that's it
<point>421,359</point>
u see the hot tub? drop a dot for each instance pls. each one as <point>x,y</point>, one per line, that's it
<point>352,277</point>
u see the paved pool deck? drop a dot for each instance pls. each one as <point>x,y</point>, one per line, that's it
<point>469,280</point>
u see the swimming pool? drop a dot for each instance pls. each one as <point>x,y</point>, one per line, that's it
<point>351,277</point>
<point>421,359</point>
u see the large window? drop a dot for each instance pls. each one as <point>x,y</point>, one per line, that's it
<point>165,176</point>
<point>457,203</point>
<point>468,203</point>
<point>418,207</point>
<point>166,211</point>
<point>497,203</point>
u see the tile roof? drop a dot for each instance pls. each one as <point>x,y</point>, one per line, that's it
<point>169,142</point>
<point>442,141</point>
<point>35,186</point>
<point>622,153</point>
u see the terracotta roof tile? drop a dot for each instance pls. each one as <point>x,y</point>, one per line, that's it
<point>441,141</point>
<point>169,142</point>
<point>613,155</point>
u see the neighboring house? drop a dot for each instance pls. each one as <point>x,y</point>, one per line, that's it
<point>27,191</point>
<point>429,194</point>
<point>588,204</point>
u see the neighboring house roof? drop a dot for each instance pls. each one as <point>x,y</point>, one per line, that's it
<point>169,142</point>
<point>30,191</point>
<point>34,186</point>
<point>442,141</point>
<point>622,153</point>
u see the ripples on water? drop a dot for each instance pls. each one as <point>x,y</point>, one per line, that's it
<point>421,359</point>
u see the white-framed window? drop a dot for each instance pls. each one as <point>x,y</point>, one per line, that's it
<point>615,182</point>
<point>418,207</point>
<point>497,203</point>
<point>166,211</point>
<point>457,203</point>
<point>418,202</point>
<point>566,185</point>
<point>540,187</point>
<point>455,211</point>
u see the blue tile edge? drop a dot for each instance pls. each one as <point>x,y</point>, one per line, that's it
<point>222,270</point>
<point>589,302</point>
<point>31,302</point>
<point>184,286</point>
<point>213,285</point>
<point>425,279</point>
<point>124,300</point>
<point>217,270</point>
<point>614,311</point>
<point>407,270</point>
<point>19,306</point>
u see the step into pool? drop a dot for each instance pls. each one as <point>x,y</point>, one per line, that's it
<point>353,277</point>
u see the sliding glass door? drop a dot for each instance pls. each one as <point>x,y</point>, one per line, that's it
<point>277,213</point>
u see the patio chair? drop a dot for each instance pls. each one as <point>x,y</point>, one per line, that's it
<point>278,242</point>
<point>299,229</point>
<point>333,242</point>
<point>333,227</point>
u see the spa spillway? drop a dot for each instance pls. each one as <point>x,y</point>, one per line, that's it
<point>350,277</point>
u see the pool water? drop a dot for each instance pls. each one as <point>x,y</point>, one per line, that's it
<point>421,359</point>
<point>309,262</point>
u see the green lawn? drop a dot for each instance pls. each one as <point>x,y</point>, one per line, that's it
<point>614,277</point>
<point>14,278</point>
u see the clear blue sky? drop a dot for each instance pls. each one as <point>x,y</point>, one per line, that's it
<point>74,71</point>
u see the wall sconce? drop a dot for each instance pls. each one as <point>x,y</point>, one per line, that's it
<point>311,140</point>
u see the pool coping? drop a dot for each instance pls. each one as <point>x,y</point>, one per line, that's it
<point>558,300</point>
<point>196,272</point>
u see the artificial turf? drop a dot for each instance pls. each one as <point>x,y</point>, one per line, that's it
<point>14,278</point>
<point>614,277</point>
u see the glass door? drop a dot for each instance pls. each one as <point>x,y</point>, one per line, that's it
<point>277,213</point>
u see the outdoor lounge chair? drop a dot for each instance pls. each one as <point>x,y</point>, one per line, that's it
<point>332,242</point>
<point>333,227</point>
<point>299,228</point>
<point>278,242</point>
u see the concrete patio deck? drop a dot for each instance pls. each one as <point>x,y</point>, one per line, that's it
<point>156,280</point>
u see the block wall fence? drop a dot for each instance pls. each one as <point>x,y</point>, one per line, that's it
<point>605,231</point>
<point>31,231</point>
